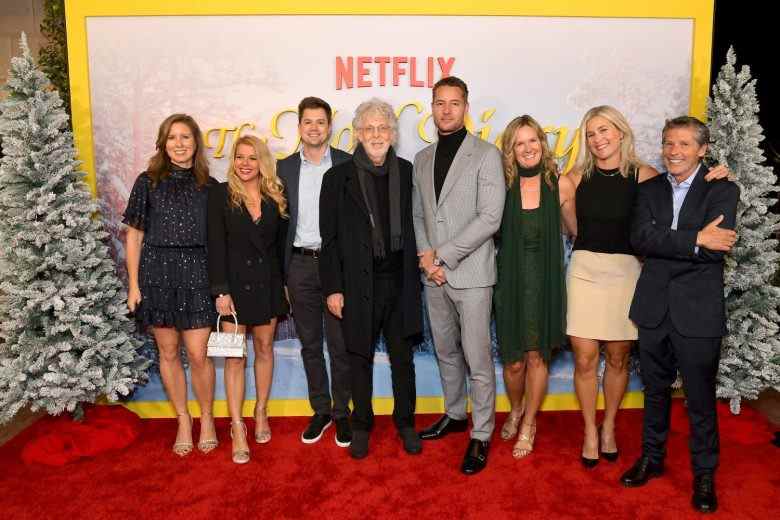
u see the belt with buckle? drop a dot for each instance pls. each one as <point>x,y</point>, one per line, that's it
<point>305,251</point>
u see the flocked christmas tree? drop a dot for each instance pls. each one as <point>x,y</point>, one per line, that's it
<point>749,357</point>
<point>65,338</point>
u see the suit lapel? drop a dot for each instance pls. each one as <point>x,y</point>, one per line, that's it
<point>292,190</point>
<point>353,188</point>
<point>666,205</point>
<point>426,182</point>
<point>250,228</point>
<point>693,197</point>
<point>459,164</point>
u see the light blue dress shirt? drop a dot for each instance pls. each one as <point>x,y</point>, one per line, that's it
<point>679,191</point>
<point>307,232</point>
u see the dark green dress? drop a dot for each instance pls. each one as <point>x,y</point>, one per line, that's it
<point>530,292</point>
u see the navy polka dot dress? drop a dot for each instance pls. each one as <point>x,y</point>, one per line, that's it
<point>173,272</point>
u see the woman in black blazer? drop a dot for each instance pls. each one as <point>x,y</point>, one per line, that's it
<point>246,232</point>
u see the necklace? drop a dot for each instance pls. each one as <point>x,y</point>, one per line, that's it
<point>608,173</point>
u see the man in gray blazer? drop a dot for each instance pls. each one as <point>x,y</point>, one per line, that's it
<point>302,174</point>
<point>458,200</point>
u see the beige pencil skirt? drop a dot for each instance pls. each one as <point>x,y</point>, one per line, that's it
<point>600,287</point>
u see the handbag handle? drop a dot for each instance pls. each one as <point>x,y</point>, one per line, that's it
<point>235,322</point>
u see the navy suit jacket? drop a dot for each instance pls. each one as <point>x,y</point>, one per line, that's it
<point>675,279</point>
<point>289,171</point>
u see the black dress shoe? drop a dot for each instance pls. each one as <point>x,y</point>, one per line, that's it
<point>443,426</point>
<point>358,448</point>
<point>476,457</point>
<point>642,471</point>
<point>704,499</point>
<point>410,439</point>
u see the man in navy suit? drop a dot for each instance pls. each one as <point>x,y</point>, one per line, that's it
<point>682,226</point>
<point>302,174</point>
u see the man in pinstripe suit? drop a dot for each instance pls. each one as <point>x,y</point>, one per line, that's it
<point>458,200</point>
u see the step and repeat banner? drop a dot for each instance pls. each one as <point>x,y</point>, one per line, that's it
<point>240,68</point>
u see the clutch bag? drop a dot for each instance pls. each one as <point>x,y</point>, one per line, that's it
<point>227,344</point>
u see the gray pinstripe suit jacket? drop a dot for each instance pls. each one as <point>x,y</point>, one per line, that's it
<point>461,224</point>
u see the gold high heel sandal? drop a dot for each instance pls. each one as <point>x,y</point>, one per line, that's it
<point>182,449</point>
<point>208,445</point>
<point>525,443</point>
<point>510,426</point>
<point>240,456</point>
<point>262,435</point>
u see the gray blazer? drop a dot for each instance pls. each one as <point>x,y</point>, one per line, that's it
<point>289,171</point>
<point>461,225</point>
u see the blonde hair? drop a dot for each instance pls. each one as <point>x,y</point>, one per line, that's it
<point>549,166</point>
<point>269,183</point>
<point>629,162</point>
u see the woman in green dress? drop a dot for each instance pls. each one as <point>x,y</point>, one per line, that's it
<point>530,294</point>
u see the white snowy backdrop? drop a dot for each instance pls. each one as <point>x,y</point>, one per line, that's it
<point>227,71</point>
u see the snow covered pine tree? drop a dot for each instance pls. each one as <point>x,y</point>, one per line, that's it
<point>65,338</point>
<point>750,352</point>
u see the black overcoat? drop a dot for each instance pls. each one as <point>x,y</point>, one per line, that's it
<point>347,262</point>
<point>245,258</point>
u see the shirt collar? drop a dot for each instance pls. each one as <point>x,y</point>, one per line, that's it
<point>325,156</point>
<point>687,182</point>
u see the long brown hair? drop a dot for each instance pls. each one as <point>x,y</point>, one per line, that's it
<point>160,164</point>
<point>549,166</point>
<point>270,185</point>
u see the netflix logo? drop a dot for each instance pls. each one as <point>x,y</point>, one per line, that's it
<point>382,71</point>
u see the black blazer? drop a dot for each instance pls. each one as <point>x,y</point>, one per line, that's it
<point>289,171</point>
<point>245,259</point>
<point>674,278</point>
<point>347,260</point>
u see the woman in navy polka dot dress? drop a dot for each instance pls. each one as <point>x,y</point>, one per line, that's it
<point>167,269</point>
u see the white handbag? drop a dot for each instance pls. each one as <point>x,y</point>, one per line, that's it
<point>227,344</point>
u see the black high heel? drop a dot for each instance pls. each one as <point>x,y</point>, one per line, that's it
<point>589,463</point>
<point>609,456</point>
<point>592,463</point>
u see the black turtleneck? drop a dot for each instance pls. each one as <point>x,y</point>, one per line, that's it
<point>445,153</point>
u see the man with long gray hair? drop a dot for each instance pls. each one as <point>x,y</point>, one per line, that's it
<point>369,268</point>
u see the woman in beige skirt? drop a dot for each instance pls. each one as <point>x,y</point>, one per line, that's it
<point>603,270</point>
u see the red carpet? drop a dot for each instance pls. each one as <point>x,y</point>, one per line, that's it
<point>287,479</point>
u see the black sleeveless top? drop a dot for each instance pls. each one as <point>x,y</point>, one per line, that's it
<point>604,201</point>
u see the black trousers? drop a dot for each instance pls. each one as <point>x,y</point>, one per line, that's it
<point>387,319</point>
<point>662,351</point>
<point>309,310</point>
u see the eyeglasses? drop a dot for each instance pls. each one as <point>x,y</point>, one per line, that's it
<point>371,130</point>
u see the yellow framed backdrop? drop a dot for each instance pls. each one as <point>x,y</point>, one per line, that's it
<point>700,12</point>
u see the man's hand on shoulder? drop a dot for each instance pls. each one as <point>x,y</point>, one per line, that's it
<point>715,238</point>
